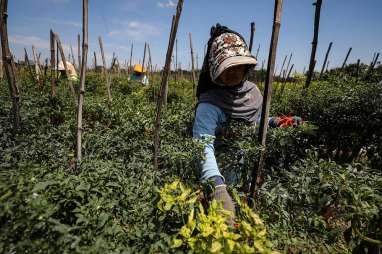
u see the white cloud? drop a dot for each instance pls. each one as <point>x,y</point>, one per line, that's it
<point>56,21</point>
<point>168,4</point>
<point>28,41</point>
<point>136,30</point>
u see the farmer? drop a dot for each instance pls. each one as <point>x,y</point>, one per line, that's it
<point>224,93</point>
<point>71,70</point>
<point>139,74</point>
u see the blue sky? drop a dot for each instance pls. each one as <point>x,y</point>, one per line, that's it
<point>348,23</point>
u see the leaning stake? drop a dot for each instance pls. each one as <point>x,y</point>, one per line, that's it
<point>257,171</point>
<point>105,69</point>
<point>9,66</point>
<point>166,71</point>
<point>253,29</point>
<point>346,59</point>
<point>63,58</point>
<point>314,43</point>
<point>192,66</point>
<point>52,64</point>
<point>326,58</point>
<point>82,79</point>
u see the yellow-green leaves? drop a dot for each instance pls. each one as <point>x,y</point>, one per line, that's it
<point>206,231</point>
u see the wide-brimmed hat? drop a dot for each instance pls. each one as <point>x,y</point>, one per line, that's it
<point>228,50</point>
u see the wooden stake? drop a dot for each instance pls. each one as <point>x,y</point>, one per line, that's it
<point>79,51</point>
<point>73,60</point>
<point>287,67</point>
<point>257,171</point>
<point>314,43</point>
<point>257,51</point>
<point>192,67</point>
<point>52,65</point>
<point>36,66</point>
<point>131,59</point>
<point>165,74</point>
<point>9,66</point>
<point>346,59</point>
<point>143,61</point>
<point>29,66</point>
<point>104,71</point>
<point>326,58</point>
<point>95,61</point>
<point>57,38</point>
<point>82,80</point>
<point>282,66</point>
<point>357,69</point>
<point>253,29</point>
<point>284,81</point>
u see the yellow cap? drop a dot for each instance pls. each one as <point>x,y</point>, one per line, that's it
<point>139,68</point>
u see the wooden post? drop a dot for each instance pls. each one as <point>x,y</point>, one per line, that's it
<point>9,66</point>
<point>286,77</point>
<point>257,171</point>
<point>257,51</point>
<point>95,61</point>
<point>29,66</point>
<point>104,71</point>
<point>59,45</point>
<point>314,43</point>
<point>192,67</point>
<point>253,29</point>
<point>176,60</point>
<point>149,64</point>
<point>143,61</point>
<point>73,60</point>
<point>282,66</point>
<point>357,69</point>
<point>82,80</point>
<point>36,66</point>
<point>79,51</point>
<point>166,71</point>
<point>346,59</point>
<point>52,65</point>
<point>372,65</point>
<point>131,59</point>
<point>326,58</point>
<point>165,92</point>
<point>287,67</point>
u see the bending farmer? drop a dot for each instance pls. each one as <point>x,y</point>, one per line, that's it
<point>223,92</point>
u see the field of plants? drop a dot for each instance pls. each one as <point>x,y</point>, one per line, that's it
<point>107,164</point>
<point>322,191</point>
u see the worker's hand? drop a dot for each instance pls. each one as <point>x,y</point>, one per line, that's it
<point>285,121</point>
<point>221,195</point>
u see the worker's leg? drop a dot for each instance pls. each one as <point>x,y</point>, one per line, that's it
<point>207,118</point>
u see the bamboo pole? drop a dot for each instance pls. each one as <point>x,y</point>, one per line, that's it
<point>257,171</point>
<point>79,51</point>
<point>166,71</point>
<point>314,43</point>
<point>287,67</point>
<point>57,57</point>
<point>59,45</point>
<point>284,82</point>
<point>253,29</point>
<point>165,92</point>
<point>131,59</point>
<point>143,61</point>
<point>36,66</point>
<point>346,59</point>
<point>52,65</point>
<point>257,51</point>
<point>326,58</point>
<point>73,60</point>
<point>282,66</point>
<point>192,67</point>
<point>357,68</point>
<point>372,65</point>
<point>95,61</point>
<point>82,80</point>
<point>29,65</point>
<point>9,66</point>
<point>104,71</point>
<point>149,64</point>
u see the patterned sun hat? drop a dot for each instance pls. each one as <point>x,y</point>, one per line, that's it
<point>228,50</point>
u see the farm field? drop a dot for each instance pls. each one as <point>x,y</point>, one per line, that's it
<point>312,198</point>
<point>125,156</point>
